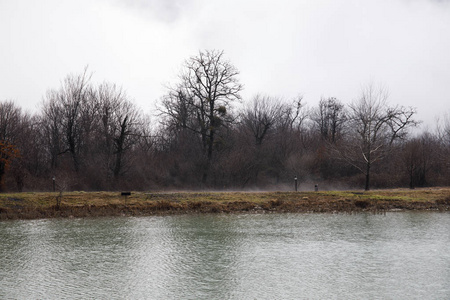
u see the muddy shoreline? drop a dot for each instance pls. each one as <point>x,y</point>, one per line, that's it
<point>173,203</point>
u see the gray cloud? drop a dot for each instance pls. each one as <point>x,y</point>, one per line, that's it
<point>163,10</point>
<point>282,48</point>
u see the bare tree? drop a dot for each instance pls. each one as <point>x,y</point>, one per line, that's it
<point>178,113</point>
<point>257,124</point>
<point>374,127</point>
<point>10,128</point>
<point>443,136</point>
<point>420,156</point>
<point>275,128</point>
<point>261,116</point>
<point>289,141</point>
<point>120,120</point>
<point>68,116</point>
<point>10,117</point>
<point>92,129</point>
<point>52,127</point>
<point>329,118</point>
<point>202,99</point>
<point>31,161</point>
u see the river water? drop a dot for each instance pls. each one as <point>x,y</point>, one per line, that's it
<point>404,255</point>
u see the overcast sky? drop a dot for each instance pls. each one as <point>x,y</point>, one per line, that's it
<point>314,48</point>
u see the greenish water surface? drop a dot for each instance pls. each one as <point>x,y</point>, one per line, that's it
<point>401,255</point>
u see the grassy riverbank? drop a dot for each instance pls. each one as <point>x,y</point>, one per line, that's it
<point>91,204</point>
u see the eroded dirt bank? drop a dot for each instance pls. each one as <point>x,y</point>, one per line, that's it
<point>95,204</point>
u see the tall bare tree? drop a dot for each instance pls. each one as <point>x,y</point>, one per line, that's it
<point>443,135</point>
<point>51,124</point>
<point>202,99</point>
<point>69,114</point>
<point>257,125</point>
<point>374,127</point>
<point>120,120</point>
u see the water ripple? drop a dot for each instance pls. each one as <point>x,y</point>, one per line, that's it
<point>314,256</point>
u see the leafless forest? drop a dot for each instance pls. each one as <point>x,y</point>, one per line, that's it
<point>204,136</point>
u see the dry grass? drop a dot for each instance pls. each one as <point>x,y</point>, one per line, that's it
<point>81,204</point>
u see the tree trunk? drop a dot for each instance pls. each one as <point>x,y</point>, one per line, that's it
<point>2,173</point>
<point>209,154</point>
<point>411,177</point>
<point>367,186</point>
<point>206,172</point>
<point>120,141</point>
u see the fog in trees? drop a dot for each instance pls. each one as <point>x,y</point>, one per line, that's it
<point>92,136</point>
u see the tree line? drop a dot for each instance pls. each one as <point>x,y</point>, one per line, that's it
<point>205,136</point>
